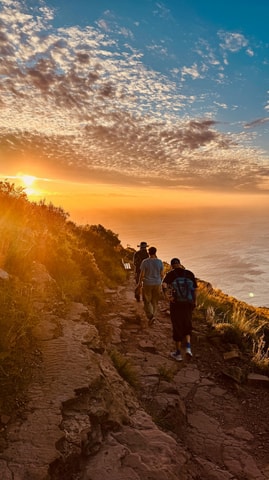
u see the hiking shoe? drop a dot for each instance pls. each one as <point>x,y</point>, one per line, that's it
<point>176,356</point>
<point>152,320</point>
<point>189,352</point>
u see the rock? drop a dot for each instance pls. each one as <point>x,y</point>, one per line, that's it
<point>256,379</point>
<point>179,422</point>
<point>5,419</point>
<point>45,330</point>
<point>231,355</point>
<point>235,373</point>
<point>91,337</point>
<point>147,346</point>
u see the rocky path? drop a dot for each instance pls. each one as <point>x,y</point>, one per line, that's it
<point>223,425</point>
<point>181,421</point>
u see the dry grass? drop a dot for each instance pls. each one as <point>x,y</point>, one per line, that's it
<point>260,354</point>
<point>124,368</point>
<point>237,323</point>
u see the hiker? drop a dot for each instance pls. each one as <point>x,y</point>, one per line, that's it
<point>151,279</point>
<point>139,256</point>
<point>179,287</point>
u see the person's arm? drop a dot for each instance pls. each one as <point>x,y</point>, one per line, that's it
<point>195,292</point>
<point>164,287</point>
<point>141,276</point>
<point>194,298</point>
<point>166,290</point>
<point>162,272</point>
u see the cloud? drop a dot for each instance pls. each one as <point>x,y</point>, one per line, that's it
<point>158,49</point>
<point>205,50</point>
<point>191,71</point>
<point>221,105</point>
<point>250,52</point>
<point>232,41</point>
<point>161,10</point>
<point>84,106</point>
<point>257,122</point>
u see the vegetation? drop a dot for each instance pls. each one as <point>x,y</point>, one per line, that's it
<point>82,261</point>
<point>237,323</point>
<point>124,368</point>
<point>166,374</point>
<point>16,322</point>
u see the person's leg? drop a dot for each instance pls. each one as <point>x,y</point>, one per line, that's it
<point>178,347</point>
<point>177,337</point>
<point>147,295</point>
<point>187,327</point>
<point>137,288</point>
<point>137,293</point>
<point>188,346</point>
<point>155,298</point>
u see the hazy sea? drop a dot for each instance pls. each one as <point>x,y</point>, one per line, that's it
<point>228,248</point>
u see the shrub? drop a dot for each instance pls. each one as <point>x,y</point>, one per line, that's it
<point>166,373</point>
<point>124,368</point>
<point>16,344</point>
<point>260,353</point>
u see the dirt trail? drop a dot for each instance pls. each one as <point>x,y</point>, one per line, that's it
<point>184,421</point>
<point>225,420</point>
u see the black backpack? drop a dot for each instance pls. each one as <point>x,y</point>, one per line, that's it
<point>183,289</point>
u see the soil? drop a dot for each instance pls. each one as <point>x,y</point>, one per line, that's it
<point>242,404</point>
<point>209,349</point>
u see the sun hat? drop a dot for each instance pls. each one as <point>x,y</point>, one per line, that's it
<point>143,245</point>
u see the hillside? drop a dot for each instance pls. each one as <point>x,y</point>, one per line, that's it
<point>81,420</point>
<point>88,389</point>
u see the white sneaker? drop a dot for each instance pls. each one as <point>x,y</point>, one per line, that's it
<point>188,352</point>
<point>176,356</point>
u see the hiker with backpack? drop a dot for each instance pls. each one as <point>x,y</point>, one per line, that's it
<point>179,287</point>
<point>151,279</point>
<point>139,256</point>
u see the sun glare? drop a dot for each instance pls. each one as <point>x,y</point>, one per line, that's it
<point>28,184</point>
<point>28,180</point>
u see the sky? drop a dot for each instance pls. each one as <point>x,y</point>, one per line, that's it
<point>127,104</point>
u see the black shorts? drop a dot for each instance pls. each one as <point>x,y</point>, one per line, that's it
<point>181,318</point>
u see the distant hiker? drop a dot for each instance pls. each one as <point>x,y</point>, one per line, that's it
<point>179,287</point>
<point>151,279</point>
<point>139,256</point>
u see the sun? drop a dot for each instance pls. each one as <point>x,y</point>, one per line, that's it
<point>28,180</point>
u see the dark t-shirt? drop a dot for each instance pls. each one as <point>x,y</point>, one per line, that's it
<point>139,256</point>
<point>179,272</point>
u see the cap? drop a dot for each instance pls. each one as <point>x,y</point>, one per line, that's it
<point>174,261</point>
<point>143,245</point>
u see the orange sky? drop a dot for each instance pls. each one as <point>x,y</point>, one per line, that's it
<point>132,126</point>
<point>81,200</point>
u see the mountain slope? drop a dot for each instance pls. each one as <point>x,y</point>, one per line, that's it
<point>83,421</point>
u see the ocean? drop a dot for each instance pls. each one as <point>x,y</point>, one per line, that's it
<point>227,247</point>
